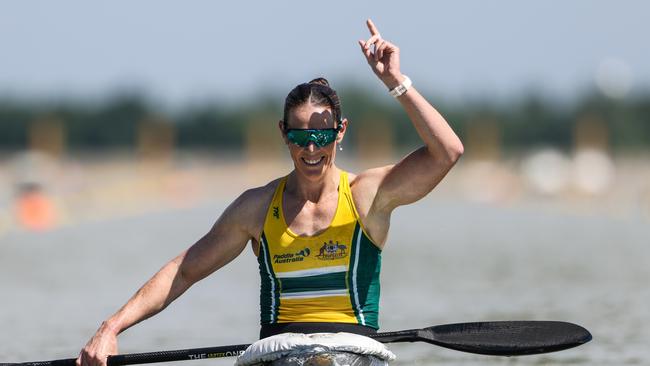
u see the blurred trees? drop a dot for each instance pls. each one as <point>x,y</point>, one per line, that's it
<point>529,122</point>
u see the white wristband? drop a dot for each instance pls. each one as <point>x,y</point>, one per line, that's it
<point>401,88</point>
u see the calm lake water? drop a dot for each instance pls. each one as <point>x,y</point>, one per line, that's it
<point>445,262</point>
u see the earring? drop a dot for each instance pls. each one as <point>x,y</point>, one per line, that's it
<point>340,147</point>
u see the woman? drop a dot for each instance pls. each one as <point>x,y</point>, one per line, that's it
<point>319,231</point>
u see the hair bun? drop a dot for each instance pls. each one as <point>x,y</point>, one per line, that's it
<point>320,81</point>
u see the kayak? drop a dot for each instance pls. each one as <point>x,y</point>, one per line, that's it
<point>321,349</point>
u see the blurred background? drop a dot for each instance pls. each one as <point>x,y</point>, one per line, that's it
<point>126,128</point>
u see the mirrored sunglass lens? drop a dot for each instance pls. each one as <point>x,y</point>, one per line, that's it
<point>298,137</point>
<point>319,137</point>
<point>323,137</point>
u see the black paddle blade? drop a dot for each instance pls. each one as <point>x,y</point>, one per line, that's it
<point>506,338</point>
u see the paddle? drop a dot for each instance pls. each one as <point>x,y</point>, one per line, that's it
<point>504,338</point>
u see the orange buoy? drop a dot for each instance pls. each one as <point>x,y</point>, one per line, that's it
<point>34,210</point>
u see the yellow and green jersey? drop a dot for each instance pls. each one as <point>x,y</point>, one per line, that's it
<point>329,277</point>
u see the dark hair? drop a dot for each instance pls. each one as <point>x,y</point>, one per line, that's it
<point>317,92</point>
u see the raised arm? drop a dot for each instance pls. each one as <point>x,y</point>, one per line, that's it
<point>225,241</point>
<point>418,173</point>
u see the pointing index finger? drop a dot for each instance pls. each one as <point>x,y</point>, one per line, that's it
<point>371,27</point>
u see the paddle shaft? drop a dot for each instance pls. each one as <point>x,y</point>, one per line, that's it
<point>196,353</point>
<point>152,357</point>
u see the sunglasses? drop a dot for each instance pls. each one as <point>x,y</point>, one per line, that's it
<point>320,137</point>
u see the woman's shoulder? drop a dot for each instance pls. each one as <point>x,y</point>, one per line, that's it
<point>249,209</point>
<point>366,187</point>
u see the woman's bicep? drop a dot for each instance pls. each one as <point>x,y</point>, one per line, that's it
<point>411,179</point>
<point>224,242</point>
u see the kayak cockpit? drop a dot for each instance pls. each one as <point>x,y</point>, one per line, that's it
<point>319,349</point>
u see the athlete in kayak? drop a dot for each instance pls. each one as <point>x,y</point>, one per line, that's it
<point>317,232</point>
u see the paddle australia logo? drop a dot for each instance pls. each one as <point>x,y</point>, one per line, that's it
<point>276,212</point>
<point>330,251</point>
<point>292,257</point>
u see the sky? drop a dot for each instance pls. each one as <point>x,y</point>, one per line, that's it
<point>180,51</point>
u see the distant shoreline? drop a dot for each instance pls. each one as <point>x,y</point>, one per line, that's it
<point>117,185</point>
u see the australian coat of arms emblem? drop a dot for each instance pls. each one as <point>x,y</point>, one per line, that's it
<point>332,250</point>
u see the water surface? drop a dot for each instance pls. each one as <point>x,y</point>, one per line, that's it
<point>445,262</point>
